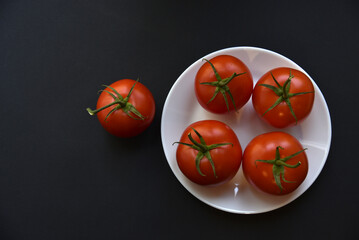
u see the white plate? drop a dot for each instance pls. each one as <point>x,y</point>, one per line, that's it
<point>237,196</point>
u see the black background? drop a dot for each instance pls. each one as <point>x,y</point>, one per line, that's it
<point>63,177</point>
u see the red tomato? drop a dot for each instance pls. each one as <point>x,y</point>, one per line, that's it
<point>125,108</point>
<point>275,163</point>
<point>223,84</point>
<point>209,153</point>
<point>283,97</point>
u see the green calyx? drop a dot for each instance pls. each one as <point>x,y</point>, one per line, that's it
<point>203,150</point>
<point>283,94</point>
<point>121,103</point>
<point>279,164</point>
<point>221,86</point>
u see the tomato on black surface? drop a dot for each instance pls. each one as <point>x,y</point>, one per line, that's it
<point>125,108</point>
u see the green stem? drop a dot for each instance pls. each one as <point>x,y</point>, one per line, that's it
<point>93,112</point>
<point>122,104</point>
<point>279,164</point>
<point>221,86</point>
<point>203,150</point>
<point>283,94</point>
<point>202,147</point>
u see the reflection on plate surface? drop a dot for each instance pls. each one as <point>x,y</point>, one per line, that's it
<point>237,196</point>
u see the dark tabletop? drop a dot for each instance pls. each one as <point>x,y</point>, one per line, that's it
<point>62,176</point>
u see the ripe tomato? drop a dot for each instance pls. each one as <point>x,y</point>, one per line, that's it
<point>275,163</point>
<point>209,153</point>
<point>283,97</point>
<point>223,84</point>
<point>125,108</point>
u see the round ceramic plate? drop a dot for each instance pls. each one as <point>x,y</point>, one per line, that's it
<point>237,196</point>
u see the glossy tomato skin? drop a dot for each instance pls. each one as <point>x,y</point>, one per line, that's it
<point>260,174</point>
<point>280,116</point>
<point>241,87</point>
<point>227,159</point>
<point>119,123</point>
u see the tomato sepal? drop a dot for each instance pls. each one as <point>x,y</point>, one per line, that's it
<point>203,150</point>
<point>279,164</point>
<point>122,103</point>
<point>221,86</point>
<point>283,94</point>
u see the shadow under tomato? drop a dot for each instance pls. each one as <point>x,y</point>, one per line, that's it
<point>149,138</point>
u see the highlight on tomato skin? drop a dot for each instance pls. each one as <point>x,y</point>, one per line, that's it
<point>283,97</point>
<point>125,108</point>
<point>223,84</point>
<point>275,163</point>
<point>209,153</point>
